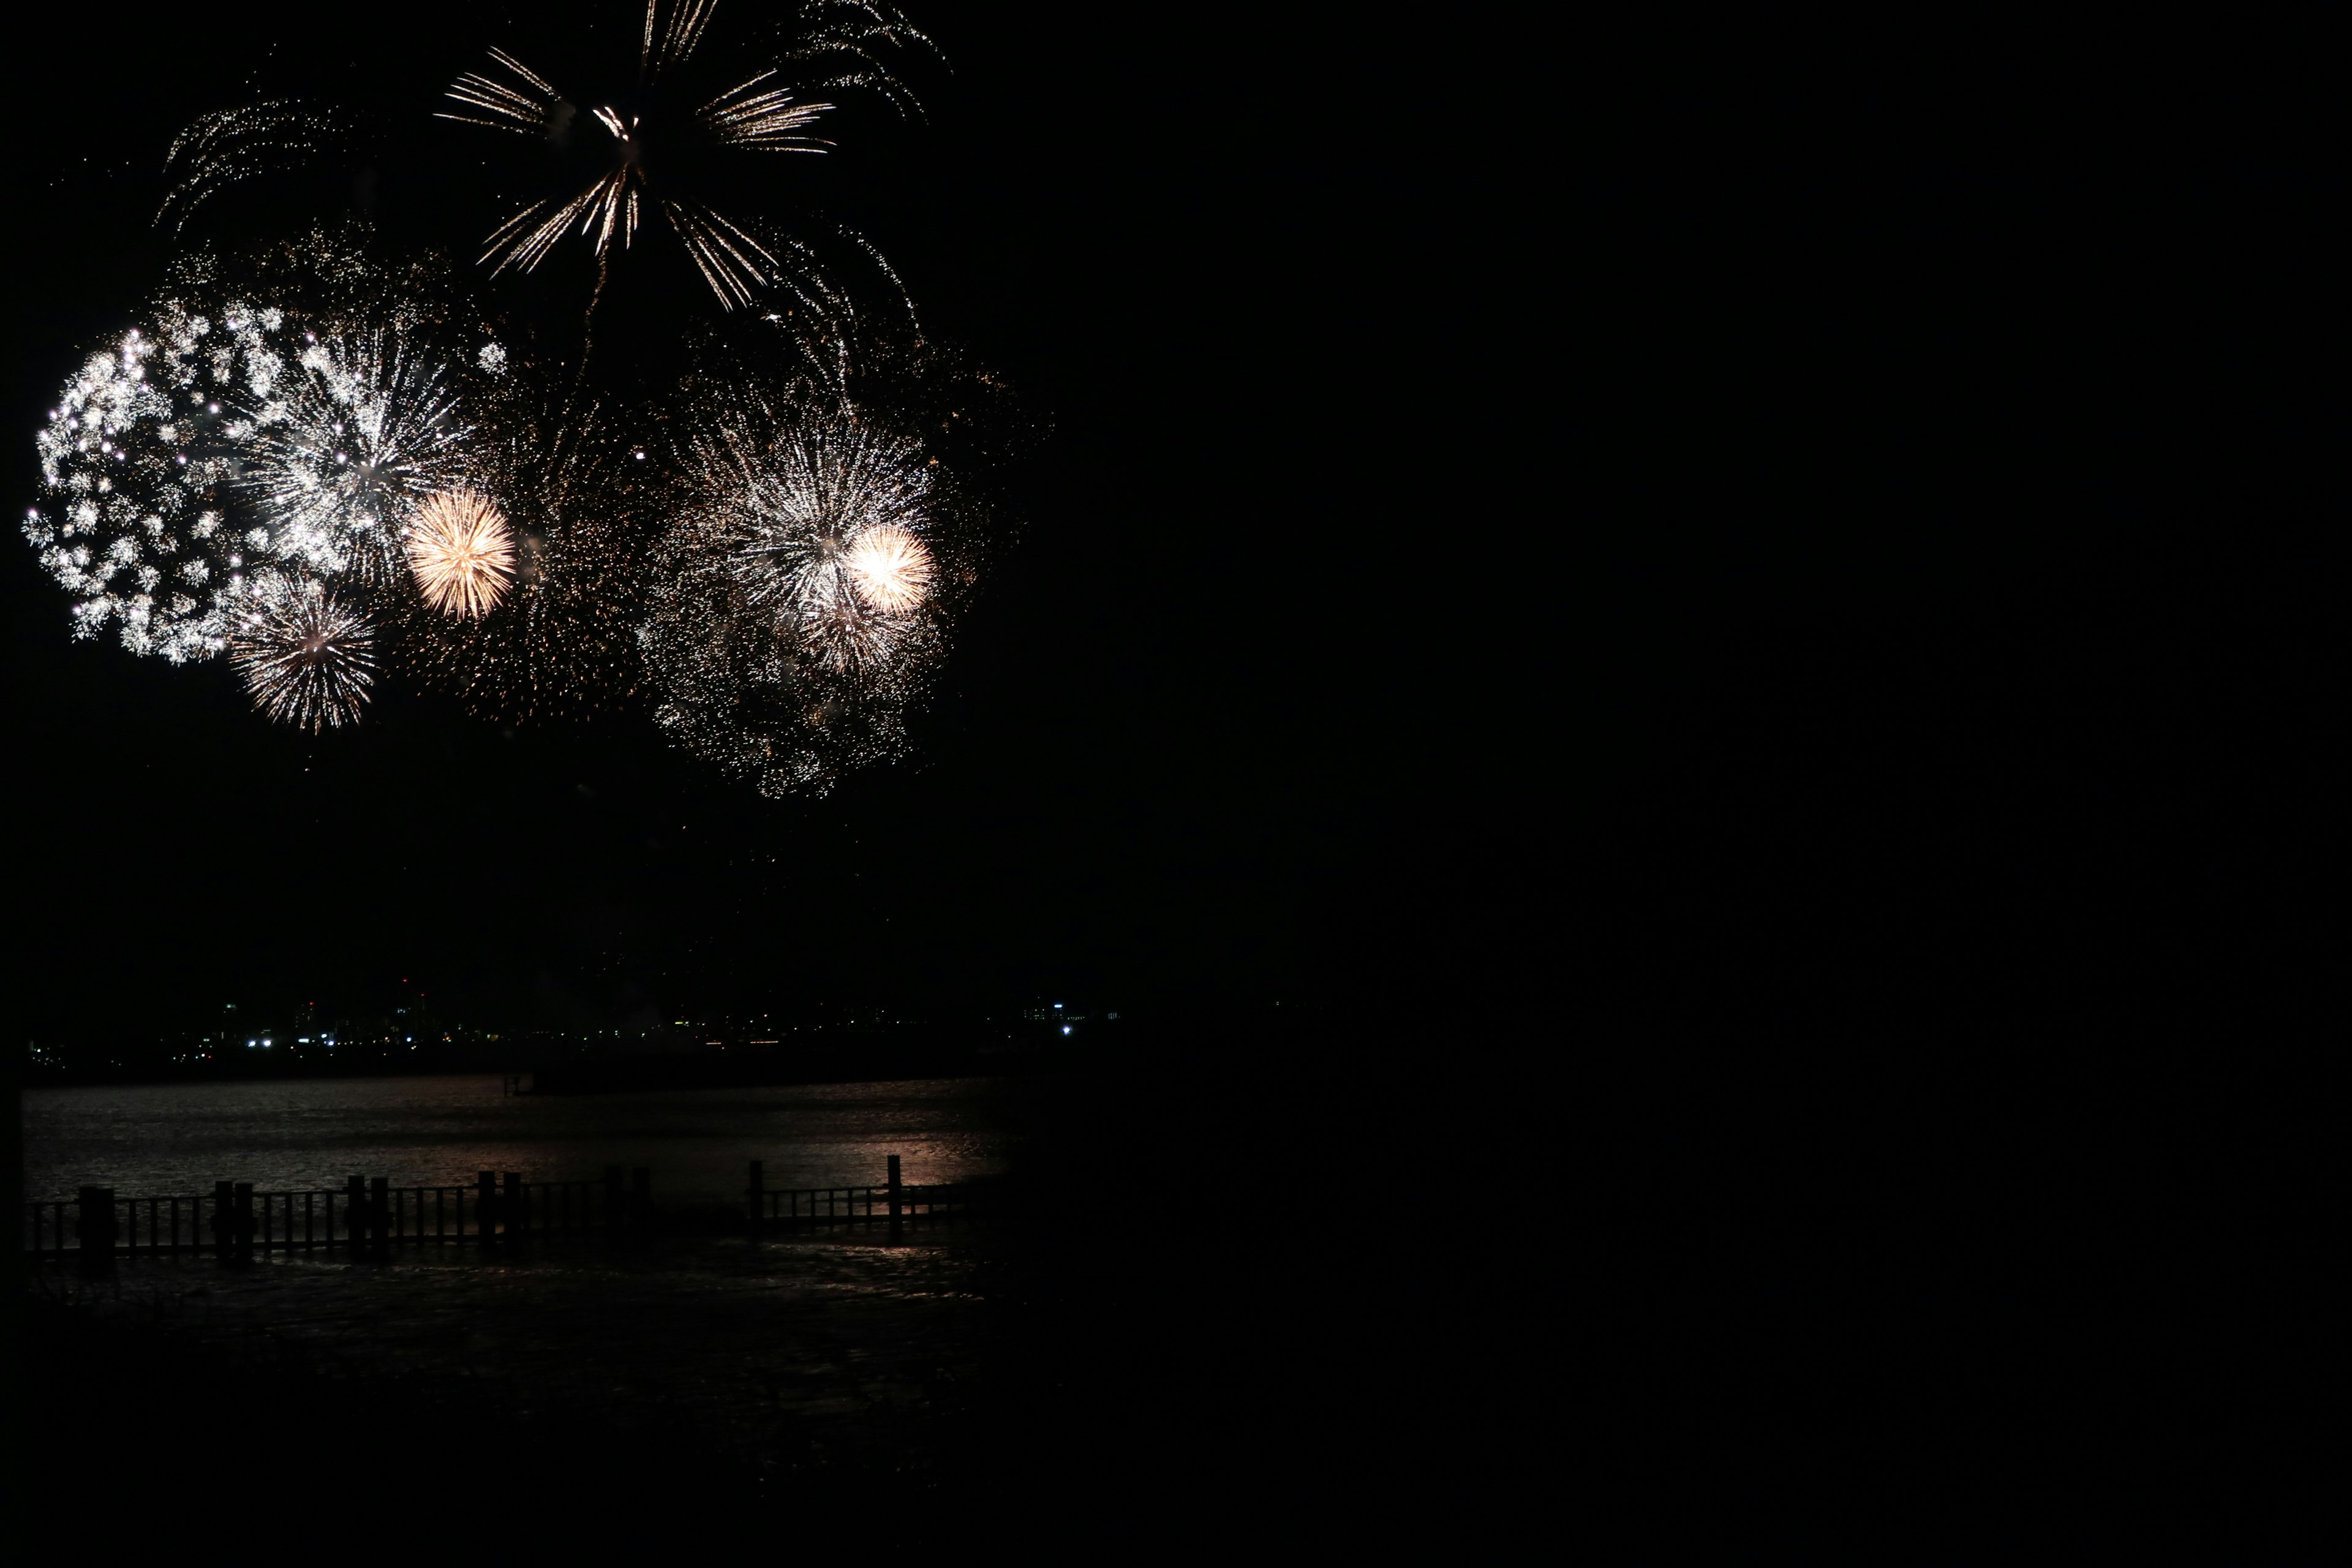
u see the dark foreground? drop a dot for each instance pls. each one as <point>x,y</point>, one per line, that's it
<point>1712,1301</point>
<point>1087,1366</point>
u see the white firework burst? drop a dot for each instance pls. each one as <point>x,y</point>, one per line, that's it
<point>823,528</point>
<point>136,464</point>
<point>793,615</point>
<point>360,429</point>
<point>307,656</point>
<point>889,569</point>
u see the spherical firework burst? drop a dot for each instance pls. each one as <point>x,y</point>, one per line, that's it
<point>461,552</point>
<point>307,657</point>
<point>363,428</point>
<point>794,616</point>
<point>136,462</point>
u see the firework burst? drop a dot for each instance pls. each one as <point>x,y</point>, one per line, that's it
<point>362,429</point>
<point>307,656</point>
<point>795,617</point>
<point>835,41</point>
<point>461,552</point>
<point>820,525</point>
<point>889,569</point>
<point>136,462</point>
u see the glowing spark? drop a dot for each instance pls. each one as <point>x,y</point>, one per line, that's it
<point>306,658</point>
<point>461,552</point>
<point>765,120</point>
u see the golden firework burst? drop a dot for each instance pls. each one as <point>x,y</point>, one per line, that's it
<point>462,553</point>
<point>890,568</point>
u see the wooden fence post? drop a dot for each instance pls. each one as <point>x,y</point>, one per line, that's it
<point>893,1197</point>
<point>96,1229</point>
<point>517,1207</point>
<point>223,1221</point>
<point>354,1213</point>
<point>379,1214</point>
<point>756,1198</point>
<point>244,1221</point>
<point>612,1191</point>
<point>486,1204</point>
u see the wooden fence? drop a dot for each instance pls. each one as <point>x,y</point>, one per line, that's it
<point>234,1221</point>
<point>237,1223</point>
<point>892,1204</point>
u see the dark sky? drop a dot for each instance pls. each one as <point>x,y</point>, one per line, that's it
<point>1658,529</point>
<point>1110,795</point>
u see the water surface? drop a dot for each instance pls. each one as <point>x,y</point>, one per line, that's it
<point>148,1139</point>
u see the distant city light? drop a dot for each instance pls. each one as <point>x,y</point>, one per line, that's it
<point>1065,1028</point>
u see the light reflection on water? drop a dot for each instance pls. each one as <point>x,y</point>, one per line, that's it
<point>161,1139</point>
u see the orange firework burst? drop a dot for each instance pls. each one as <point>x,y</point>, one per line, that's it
<point>462,553</point>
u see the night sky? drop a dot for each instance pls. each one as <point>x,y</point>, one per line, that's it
<point>1117,792</point>
<point>1671,542</point>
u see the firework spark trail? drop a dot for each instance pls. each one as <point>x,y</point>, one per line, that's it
<point>341,448</point>
<point>461,552</point>
<point>307,657</point>
<point>767,121</point>
<point>230,146</point>
<point>135,467</point>
<point>678,39</point>
<point>526,111</point>
<point>841,37</point>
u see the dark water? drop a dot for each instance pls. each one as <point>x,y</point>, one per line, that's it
<point>161,1139</point>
